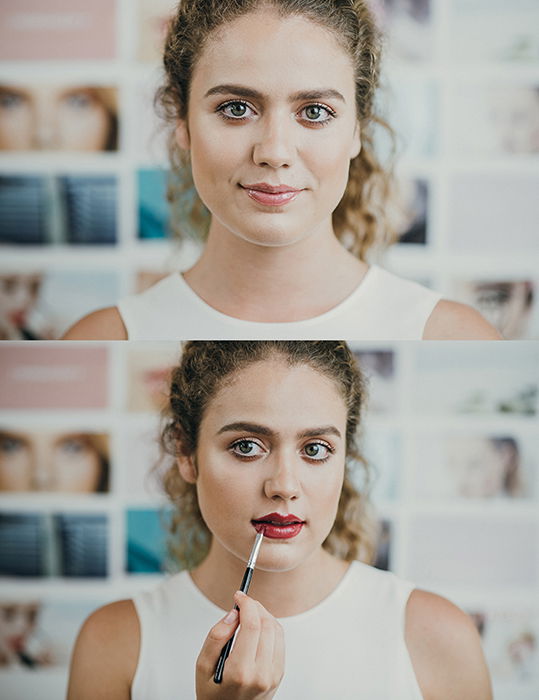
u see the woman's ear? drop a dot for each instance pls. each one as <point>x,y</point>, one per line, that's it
<point>181,134</point>
<point>356,142</point>
<point>187,468</point>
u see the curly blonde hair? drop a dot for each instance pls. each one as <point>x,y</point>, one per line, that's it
<point>360,221</point>
<point>203,369</point>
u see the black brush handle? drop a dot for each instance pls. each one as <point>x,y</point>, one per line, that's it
<point>225,651</point>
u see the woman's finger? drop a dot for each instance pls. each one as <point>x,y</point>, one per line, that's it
<point>246,643</point>
<point>217,637</point>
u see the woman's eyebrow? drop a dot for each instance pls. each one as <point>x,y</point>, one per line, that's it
<point>241,426</point>
<point>241,91</point>
<point>323,430</point>
<point>247,427</point>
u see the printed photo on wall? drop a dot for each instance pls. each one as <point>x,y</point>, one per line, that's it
<point>37,377</point>
<point>383,547</point>
<point>58,117</point>
<point>48,210</point>
<point>153,209</point>
<point>59,461</point>
<point>408,25</point>
<point>411,211</point>
<point>494,120</point>
<point>39,634</point>
<point>148,374</point>
<point>146,544</point>
<point>379,368</point>
<point>466,380</point>
<point>53,544</point>
<point>43,304</point>
<point>492,467</point>
<point>510,305</point>
<point>509,31</point>
<point>510,641</point>
<point>77,30</point>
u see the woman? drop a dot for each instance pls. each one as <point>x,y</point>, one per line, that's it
<point>272,105</point>
<point>265,432</point>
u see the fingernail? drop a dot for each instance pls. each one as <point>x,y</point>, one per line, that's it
<point>230,617</point>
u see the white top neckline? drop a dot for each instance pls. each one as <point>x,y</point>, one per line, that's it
<point>352,298</point>
<point>341,585</point>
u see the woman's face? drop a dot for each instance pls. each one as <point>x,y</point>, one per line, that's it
<point>52,118</point>
<point>272,103</point>
<point>272,441</point>
<point>17,620</point>
<point>480,467</point>
<point>18,294</point>
<point>48,462</point>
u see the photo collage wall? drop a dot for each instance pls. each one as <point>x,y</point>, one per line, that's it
<point>84,167</point>
<point>451,436</point>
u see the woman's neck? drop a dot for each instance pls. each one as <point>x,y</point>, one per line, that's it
<point>282,593</point>
<point>274,284</point>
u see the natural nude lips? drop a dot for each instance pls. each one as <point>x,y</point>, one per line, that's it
<point>271,195</point>
<point>277,526</point>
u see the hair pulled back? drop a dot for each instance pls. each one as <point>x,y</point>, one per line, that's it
<point>204,368</point>
<point>359,221</point>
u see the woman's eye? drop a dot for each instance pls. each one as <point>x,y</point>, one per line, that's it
<point>9,445</point>
<point>315,112</point>
<point>72,446</point>
<point>78,100</point>
<point>317,451</point>
<point>234,110</point>
<point>10,100</point>
<point>247,448</point>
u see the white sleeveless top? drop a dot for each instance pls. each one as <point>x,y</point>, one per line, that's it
<point>350,646</point>
<point>382,307</point>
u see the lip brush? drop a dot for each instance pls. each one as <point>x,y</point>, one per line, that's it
<point>244,588</point>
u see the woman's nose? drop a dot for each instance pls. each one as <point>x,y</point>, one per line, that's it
<point>274,145</point>
<point>283,483</point>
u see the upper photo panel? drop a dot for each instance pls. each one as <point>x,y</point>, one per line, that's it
<point>261,169</point>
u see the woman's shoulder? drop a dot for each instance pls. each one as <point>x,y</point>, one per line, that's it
<point>106,653</point>
<point>451,320</point>
<point>445,649</point>
<point>104,324</point>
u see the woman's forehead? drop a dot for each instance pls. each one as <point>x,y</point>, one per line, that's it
<point>284,54</point>
<point>274,390</point>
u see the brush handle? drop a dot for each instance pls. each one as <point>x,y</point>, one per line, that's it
<point>225,651</point>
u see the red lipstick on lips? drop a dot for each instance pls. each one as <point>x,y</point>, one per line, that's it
<point>271,195</point>
<point>279,527</point>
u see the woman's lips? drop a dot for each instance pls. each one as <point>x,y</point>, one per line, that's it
<point>278,527</point>
<point>271,196</point>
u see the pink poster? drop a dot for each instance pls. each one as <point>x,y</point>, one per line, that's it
<point>40,376</point>
<point>57,29</point>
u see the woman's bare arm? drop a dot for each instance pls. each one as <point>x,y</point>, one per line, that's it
<point>445,648</point>
<point>105,655</point>
<point>105,324</point>
<point>451,320</point>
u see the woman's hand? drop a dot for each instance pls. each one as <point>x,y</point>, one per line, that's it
<point>255,666</point>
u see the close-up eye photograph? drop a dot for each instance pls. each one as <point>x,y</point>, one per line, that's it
<point>230,468</point>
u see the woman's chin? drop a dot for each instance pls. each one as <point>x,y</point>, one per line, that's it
<point>279,559</point>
